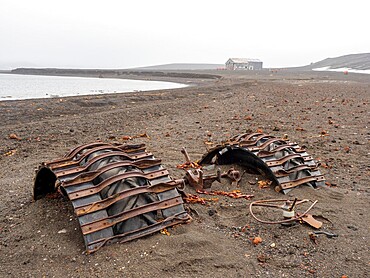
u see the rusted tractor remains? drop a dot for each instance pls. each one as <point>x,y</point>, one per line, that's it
<point>118,192</point>
<point>122,192</point>
<point>284,163</point>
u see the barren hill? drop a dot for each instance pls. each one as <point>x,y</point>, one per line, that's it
<point>353,61</point>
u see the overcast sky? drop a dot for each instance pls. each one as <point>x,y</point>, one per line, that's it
<point>123,34</point>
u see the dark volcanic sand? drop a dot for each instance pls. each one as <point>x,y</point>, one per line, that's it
<point>212,245</point>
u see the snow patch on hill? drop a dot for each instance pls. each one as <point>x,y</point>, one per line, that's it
<point>342,70</point>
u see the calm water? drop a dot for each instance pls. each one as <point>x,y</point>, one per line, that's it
<point>14,86</point>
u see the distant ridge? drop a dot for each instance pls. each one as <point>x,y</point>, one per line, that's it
<point>183,66</point>
<point>114,73</point>
<point>352,61</point>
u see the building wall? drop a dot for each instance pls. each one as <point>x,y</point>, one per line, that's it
<point>255,65</point>
<point>244,66</point>
<point>229,65</point>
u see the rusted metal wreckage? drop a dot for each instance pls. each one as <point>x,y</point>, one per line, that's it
<point>285,163</point>
<point>122,192</point>
<point>118,192</point>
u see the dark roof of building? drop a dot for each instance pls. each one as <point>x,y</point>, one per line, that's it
<point>243,60</point>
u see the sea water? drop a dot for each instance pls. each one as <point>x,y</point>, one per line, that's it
<point>14,86</point>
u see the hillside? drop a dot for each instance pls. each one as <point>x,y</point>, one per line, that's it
<point>352,61</point>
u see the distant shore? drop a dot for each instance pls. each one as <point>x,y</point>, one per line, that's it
<point>186,77</point>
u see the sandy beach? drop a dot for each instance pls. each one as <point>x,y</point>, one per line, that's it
<point>325,112</point>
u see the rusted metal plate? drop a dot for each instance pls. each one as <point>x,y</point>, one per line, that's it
<point>118,192</point>
<point>283,162</point>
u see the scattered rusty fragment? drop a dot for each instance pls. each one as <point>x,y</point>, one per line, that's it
<point>196,178</point>
<point>188,163</point>
<point>264,184</point>
<point>284,163</point>
<point>165,232</point>
<point>14,136</point>
<point>308,219</point>
<point>118,192</point>
<point>125,138</point>
<point>262,258</point>
<point>199,181</point>
<point>195,199</point>
<point>233,175</point>
<point>313,237</point>
<point>10,153</point>
<point>235,194</point>
<point>256,240</point>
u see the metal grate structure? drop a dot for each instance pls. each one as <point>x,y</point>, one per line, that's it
<point>118,192</point>
<point>283,162</point>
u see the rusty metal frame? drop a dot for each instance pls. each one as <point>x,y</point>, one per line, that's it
<point>144,197</point>
<point>281,161</point>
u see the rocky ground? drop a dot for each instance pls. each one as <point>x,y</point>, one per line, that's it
<point>327,113</point>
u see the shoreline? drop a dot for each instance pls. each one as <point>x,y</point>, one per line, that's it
<point>194,78</point>
<point>152,75</point>
<point>51,86</point>
<point>126,77</point>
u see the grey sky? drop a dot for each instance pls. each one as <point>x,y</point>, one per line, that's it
<point>123,34</point>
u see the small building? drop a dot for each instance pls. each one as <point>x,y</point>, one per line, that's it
<point>243,64</point>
